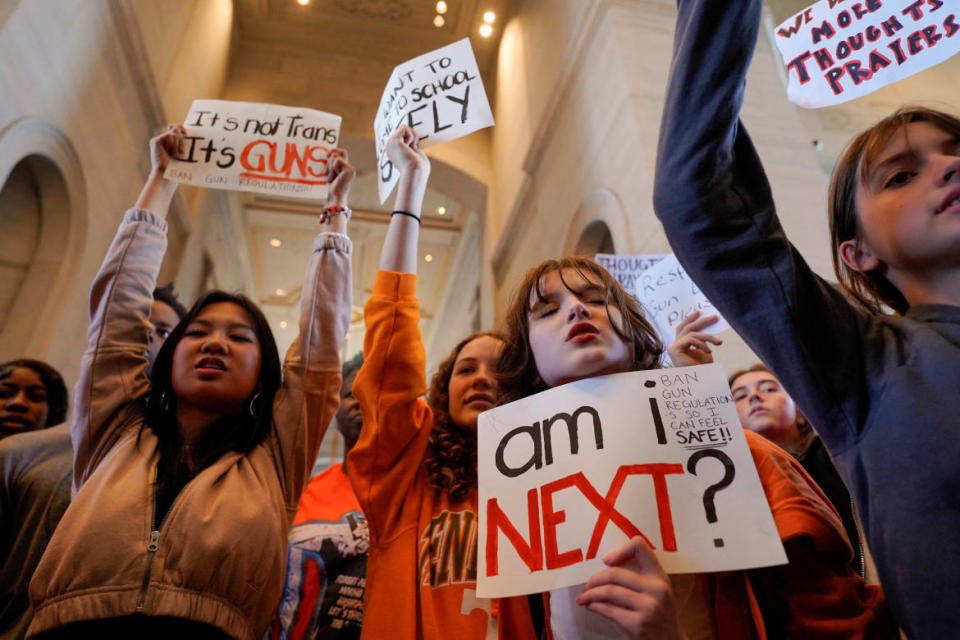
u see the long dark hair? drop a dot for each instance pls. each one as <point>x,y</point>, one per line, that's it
<point>517,369</point>
<point>238,432</point>
<point>452,452</point>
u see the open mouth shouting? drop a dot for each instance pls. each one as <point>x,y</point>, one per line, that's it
<point>952,201</point>
<point>478,400</point>
<point>210,367</point>
<point>582,332</point>
<point>14,421</point>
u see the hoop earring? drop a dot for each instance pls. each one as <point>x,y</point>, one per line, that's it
<point>165,402</point>
<point>256,397</point>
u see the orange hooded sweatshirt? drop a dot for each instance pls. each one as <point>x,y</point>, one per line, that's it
<point>422,566</point>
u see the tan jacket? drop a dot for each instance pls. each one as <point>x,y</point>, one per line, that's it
<point>218,556</point>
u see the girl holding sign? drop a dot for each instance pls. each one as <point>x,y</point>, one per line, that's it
<point>414,466</point>
<point>187,482</point>
<point>880,388</point>
<point>571,320</point>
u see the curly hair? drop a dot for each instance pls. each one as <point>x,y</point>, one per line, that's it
<point>517,369</point>
<point>870,289</point>
<point>452,452</point>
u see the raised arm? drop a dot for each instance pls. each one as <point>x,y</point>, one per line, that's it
<point>715,204</point>
<point>113,367</point>
<point>309,396</point>
<point>396,422</point>
<point>399,252</point>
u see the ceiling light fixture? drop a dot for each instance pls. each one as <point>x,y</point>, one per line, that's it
<point>281,292</point>
<point>283,324</point>
<point>441,210</point>
<point>303,3</point>
<point>428,257</point>
<point>489,17</point>
<point>438,21</point>
<point>486,30</point>
<point>441,7</point>
<point>275,242</point>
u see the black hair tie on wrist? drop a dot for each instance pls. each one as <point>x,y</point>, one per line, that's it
<point>406,213</point>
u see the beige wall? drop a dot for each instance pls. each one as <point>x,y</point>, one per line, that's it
<point>83,85</point>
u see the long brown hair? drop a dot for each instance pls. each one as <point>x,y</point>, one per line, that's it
<point>871,289</point>
<point>517,370</point>
<point>452,451</point>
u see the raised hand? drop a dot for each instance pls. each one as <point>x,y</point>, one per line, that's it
<point>403,150</point>
<point>158,191</point>
<point>692,345</point>
<point>341,174</point>
<point>640,599</point>
<point>165,146</point>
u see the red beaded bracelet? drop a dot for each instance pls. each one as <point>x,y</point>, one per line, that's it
<point>334,210</point>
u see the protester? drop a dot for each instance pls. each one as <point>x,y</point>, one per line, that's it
<point>571,320</point>
<point>32,396</point>
<point>765,407</point>
<point>186,485</point>
<point>414,466</point>
<point>35,480</point>
<point>879,388</point>
<point>165,314</point>
<point>328,544</point>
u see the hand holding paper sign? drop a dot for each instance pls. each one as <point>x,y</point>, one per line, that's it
<point>639,599</point>
<point>341,174</point>
<point>439,95</point>
<point>158,191</point>
<point>403,150</point>
<point>691,346</point>
<point>399,251</point>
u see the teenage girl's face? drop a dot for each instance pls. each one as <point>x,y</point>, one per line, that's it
<point>216,364</point>
<point>162,320</point>
<point>473,387</point>
<point>909,205</point>
<point>23,402</point>
<point>572,332</point>
<point>765,408</point>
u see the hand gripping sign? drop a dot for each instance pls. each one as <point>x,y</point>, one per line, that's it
<point>439,94</point>
<point>839,50</point>
<point>572,473</point>
<point>248,146</point>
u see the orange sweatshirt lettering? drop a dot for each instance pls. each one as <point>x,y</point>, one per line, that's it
<point>422,566</point>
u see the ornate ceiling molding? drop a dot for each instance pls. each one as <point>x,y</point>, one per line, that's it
<point>378,9</point>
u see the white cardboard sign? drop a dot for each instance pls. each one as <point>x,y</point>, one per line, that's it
<point>668,294</point>
<point>439,94</point>
<point>627,268</point>
<point>572,473</point>
<point>838,50</point>
<point>250,146</point>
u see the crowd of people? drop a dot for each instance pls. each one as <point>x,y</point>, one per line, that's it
<point>178,501</point>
